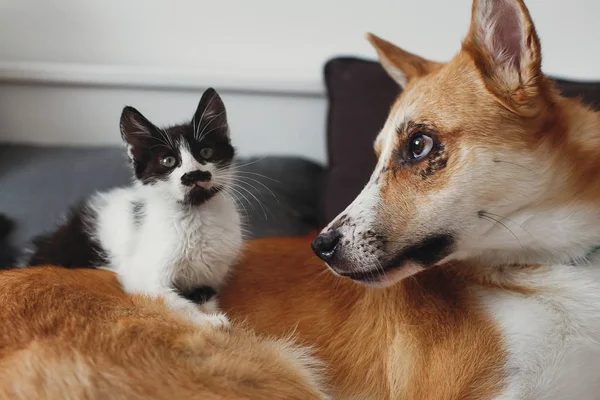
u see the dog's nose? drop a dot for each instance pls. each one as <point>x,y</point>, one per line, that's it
<point>326,244</point>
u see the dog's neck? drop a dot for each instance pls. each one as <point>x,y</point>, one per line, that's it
<point>560,224</point>
<point>570,207</point>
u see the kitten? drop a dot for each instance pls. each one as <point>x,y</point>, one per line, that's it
<point>177,227</point>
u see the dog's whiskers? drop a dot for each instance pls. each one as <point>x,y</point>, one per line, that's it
<point>515,164</point>
<point>509,220</point>
<point>482,214</point>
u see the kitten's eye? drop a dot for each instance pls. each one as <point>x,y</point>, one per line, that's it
<point>168,161</point>
<point>206,153</point>
<point>420,146</point>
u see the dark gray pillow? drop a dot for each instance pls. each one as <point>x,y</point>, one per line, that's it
<point>38,184</point>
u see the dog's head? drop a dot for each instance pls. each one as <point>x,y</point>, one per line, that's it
<point>474,158</point>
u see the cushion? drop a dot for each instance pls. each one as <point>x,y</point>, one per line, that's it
<point>38,184</point>
<point>360,95</point>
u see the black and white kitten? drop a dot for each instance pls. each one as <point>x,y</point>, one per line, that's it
<point>176,228</point>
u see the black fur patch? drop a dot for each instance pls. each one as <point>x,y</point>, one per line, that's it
<point>426,253</point>
<point>191,178</point>
<point>199,295</point>
<point>71,245</point>
<point>8,254</point>
<point>200,195</point>
<point>437,161</point>
<point>400,129</point>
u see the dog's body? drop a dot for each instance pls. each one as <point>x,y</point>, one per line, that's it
<point>446,333</point>
<point>442,334</point>
<point>74,334</point>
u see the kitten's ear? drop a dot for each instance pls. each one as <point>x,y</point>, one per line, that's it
<point>210,116</point>
<point>136,131</point>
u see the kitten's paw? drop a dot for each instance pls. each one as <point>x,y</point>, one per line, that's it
<point>214,319</point>
<point>218,321</point>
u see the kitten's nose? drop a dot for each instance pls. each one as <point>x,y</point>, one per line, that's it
<point>326,244</point>
<point>195,177</point>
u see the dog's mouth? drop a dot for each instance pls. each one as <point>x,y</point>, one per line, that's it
<point>405,263</point>
<point>371,276</point>
<point>381,279</point>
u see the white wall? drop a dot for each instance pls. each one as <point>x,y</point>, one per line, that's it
<point>84,59</point>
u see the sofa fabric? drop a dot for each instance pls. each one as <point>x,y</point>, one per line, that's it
<point>360,95</point>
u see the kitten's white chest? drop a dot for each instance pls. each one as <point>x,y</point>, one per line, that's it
<point>168,243</point>
<point>209,242</point>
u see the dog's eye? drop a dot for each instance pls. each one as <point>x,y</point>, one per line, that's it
<point>168,161</point>
<point>206,153</point>
<point>420,146</point>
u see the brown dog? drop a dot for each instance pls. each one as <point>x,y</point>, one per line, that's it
<point>474,247</point>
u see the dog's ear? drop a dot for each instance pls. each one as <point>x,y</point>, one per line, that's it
<point>506,49</point>
<point>401,65</point>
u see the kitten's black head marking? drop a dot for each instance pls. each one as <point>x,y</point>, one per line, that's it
<point>148,144</point>
<point>210,129</point>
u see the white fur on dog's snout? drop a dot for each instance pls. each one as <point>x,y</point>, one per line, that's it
<point>355,224</point>
<point>361,217</point>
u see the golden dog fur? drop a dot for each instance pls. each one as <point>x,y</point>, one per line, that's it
<point>74,334</point>
<point>420,339</point>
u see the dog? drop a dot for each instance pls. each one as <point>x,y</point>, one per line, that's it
<point>75,334</point>
<point>469,265</point>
